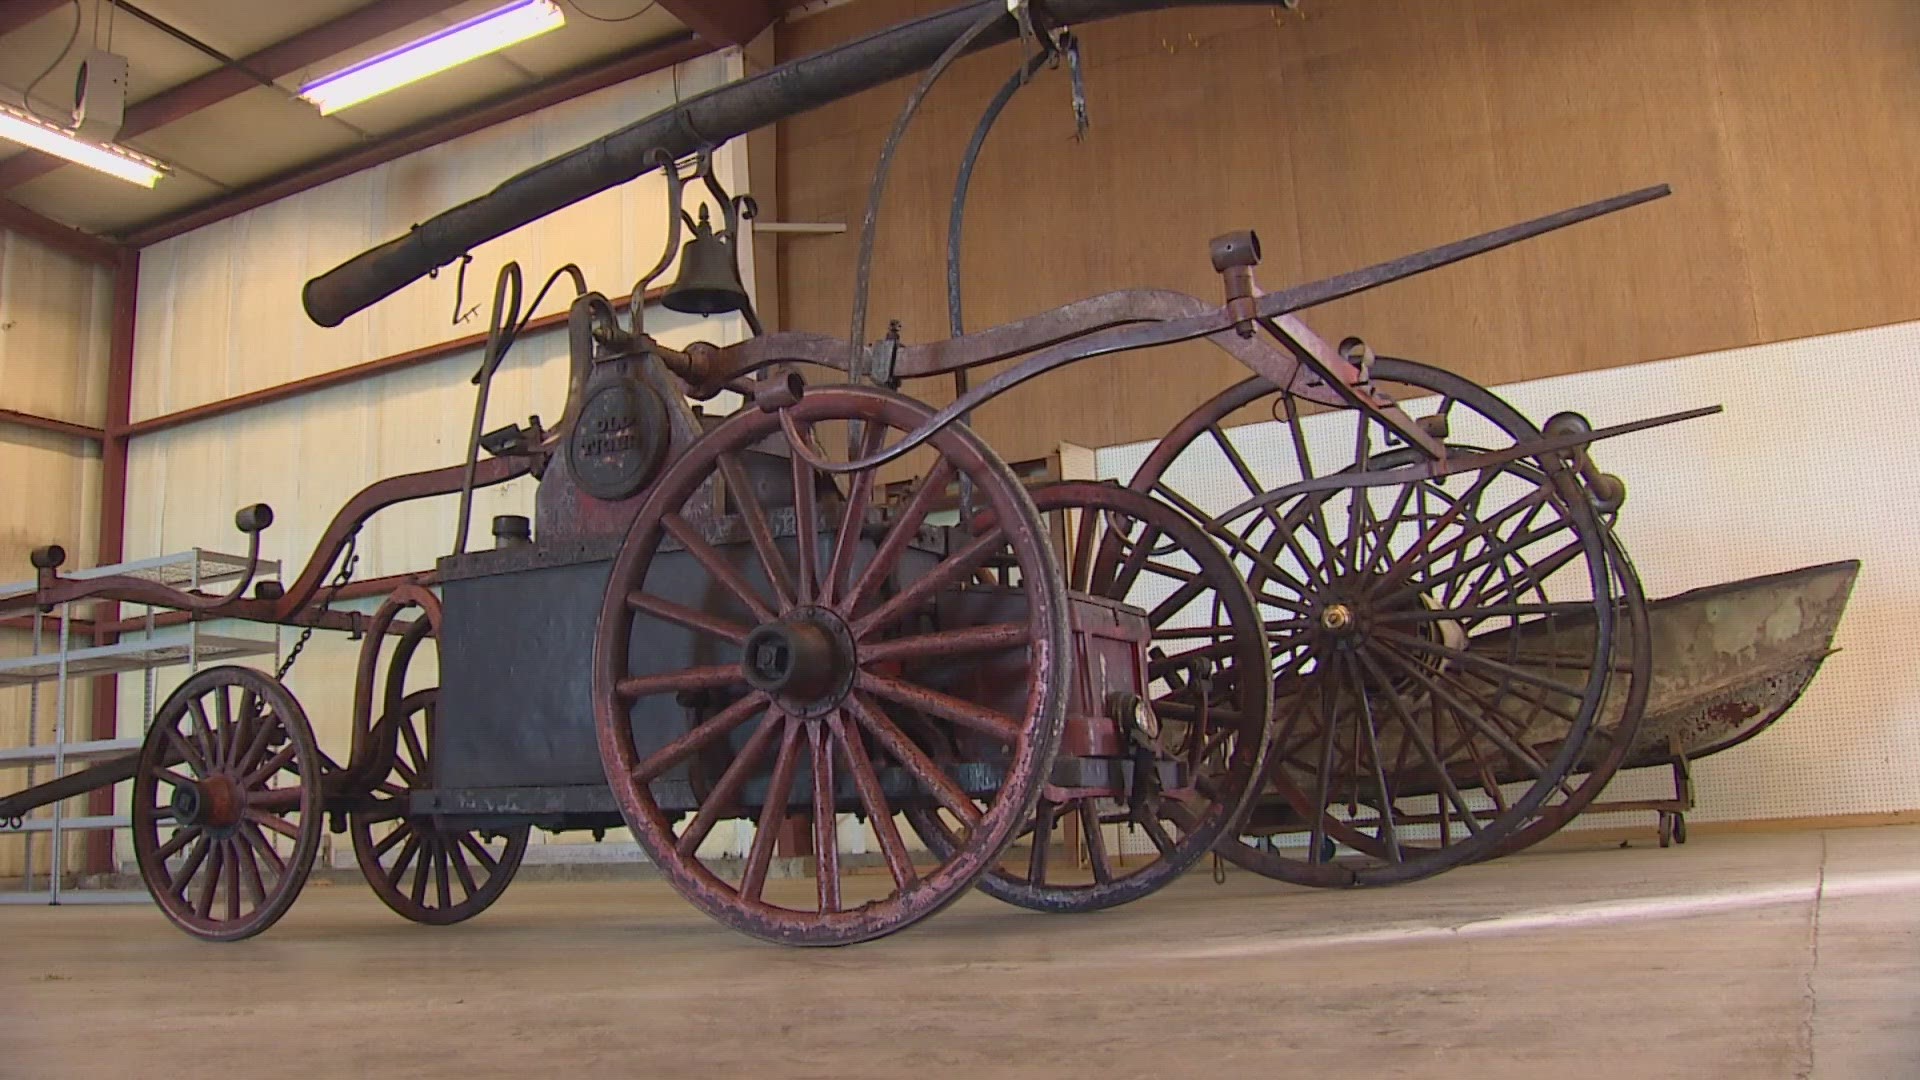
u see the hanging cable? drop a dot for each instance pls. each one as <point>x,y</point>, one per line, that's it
<point>26,96</point>
<point>863,276</point>
<point>584,13</point>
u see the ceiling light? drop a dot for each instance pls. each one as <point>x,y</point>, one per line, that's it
<point>434,53</point>
<point>30,130</point>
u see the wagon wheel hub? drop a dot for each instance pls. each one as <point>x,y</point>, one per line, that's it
<point>214,802</point>
<point>805,659</point>
<point>1337,618</point>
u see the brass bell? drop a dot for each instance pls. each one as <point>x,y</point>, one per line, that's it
<point>709,281</point>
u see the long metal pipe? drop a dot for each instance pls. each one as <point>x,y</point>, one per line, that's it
<point>704,120</point>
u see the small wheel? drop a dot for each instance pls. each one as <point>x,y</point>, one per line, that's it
<point>1205,653</point>
<point>1666,829</point>
<point>230,768</point>
<point>729,654</point>
<point>1442,646</point>
<point>1679,828</point>
<point>423,871</point>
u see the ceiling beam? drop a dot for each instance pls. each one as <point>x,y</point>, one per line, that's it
<point>723,22</point>
<point>19,13</point>
<point>60,237</point>
<point>619,69</point>
<point>349,31</point>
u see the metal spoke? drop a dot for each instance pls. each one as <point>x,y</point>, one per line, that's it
<point>462,870</point>
<point>755,517</point>
<point>1388,835</point>
<point>177,884</point>
<point>903,750</point>
<point>714,727</point>
<point>649,604</point>
<point>387,842</point>
<point>707,677</point>
<point>1045,814</point>
<point>1252,484</point>
<point>990,722</point>
<point>905,528</point>
<point>273,821</point>
<point>806,528</point>
<point>479,851</point>
<point>223,733</point>
<point>879,814</point>
<point>773,812</point>
<point>188,753</point>
<point>1323,788</point>
<point>991,637</point>
<point>951,571</point>
<point>202,732</point>
<point>1316,517</point>
<point>716,565</point>
<point>250,865</point>
<point>203,903</point>
<point>826,839</point>
<point>265,847</point>
<point>1427,753</point>
<point>1096,841</point>
<point>846,541</point>
<point>726,790</point>
<point>1507,671</point>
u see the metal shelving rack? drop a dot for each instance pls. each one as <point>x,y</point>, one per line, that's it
<point>191,570</point>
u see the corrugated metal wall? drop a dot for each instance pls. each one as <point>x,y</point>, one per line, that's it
<point>54,316</point>
<point>219,315</point>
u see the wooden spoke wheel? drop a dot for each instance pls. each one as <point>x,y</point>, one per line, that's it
<point>428,872</point>
<point>230,774</point>
<point>1198,757</point>
<point>1442,648</point>
<point>774,649</point>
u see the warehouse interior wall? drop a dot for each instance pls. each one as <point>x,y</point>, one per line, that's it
<point>219,315</point>
<point>1359,130</point>
<point>55,312</point>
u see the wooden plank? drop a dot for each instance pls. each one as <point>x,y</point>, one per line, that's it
<point>1369,130</point>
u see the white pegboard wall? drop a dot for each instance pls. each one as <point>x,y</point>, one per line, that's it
<point>1811,462</point>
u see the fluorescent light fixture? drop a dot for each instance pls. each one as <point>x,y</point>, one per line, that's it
<point>435,53</point>
<point>29,130</point>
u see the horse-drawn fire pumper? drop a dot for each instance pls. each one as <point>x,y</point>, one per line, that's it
<point>1404,649</point>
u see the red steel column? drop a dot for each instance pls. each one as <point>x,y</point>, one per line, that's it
<point>113,519</point>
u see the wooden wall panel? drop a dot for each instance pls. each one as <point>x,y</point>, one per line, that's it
<point>1372,128</point>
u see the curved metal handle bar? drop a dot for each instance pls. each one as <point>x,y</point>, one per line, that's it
<point>376,497</point>
<point>135,590</point>
<point>1100,343</point>
<point>1458,462</point>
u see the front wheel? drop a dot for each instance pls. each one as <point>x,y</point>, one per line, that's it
<point>772,648</point>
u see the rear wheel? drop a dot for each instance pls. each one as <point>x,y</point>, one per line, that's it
<point>1197,755</point>
<point>1442,647</point>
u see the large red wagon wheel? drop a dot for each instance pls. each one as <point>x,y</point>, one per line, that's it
<point>229,769</point>
<point>1208,707</point>
<point>425,870</point>
<point>773,653</point>
<point>1443,649</point>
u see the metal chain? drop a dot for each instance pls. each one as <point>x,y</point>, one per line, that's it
<point>350,558</point>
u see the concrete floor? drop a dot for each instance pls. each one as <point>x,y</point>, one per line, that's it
<point>1740,956</point>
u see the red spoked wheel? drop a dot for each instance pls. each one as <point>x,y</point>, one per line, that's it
<point>772,648</point>
<point>1444,649</point>
<point>425,871</point>
<point>230,769</point>
<point>1199,755</point>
